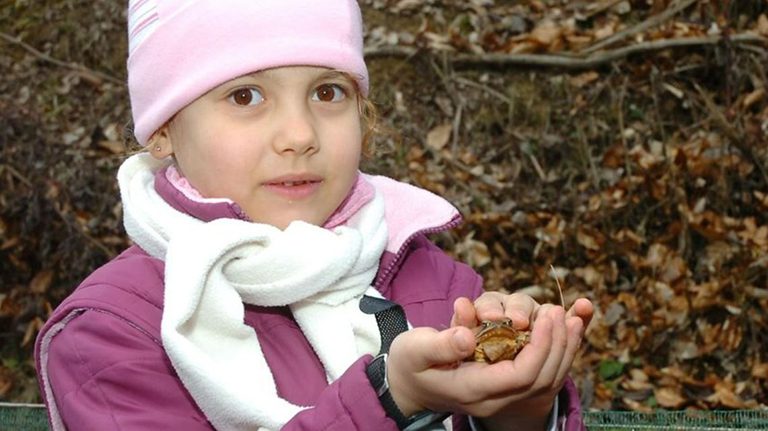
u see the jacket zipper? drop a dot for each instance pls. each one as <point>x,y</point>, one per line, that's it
<point>455,221</point>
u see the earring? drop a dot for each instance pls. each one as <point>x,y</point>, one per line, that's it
<point>158,148</point>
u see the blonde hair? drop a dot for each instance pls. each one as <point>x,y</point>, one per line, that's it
<point>369,115</point>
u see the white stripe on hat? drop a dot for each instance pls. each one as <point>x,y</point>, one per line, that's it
<point>142,21</point>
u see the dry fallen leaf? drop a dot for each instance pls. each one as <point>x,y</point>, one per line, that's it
<point>669,397</point>
<point>42,281</point>
<point>33,327</point>
<point>585,78</point>
<point>438,137</point>
<point>762,25</point>
<point>725,396</point>
<point>753,97</point>
<point>114,147</point>
<point>473,252</point>
<point>6,382</point>
<point>546,33</point>
<point>760,371</point>
<point>588,240</point>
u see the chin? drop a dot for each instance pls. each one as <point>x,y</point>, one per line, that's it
<point>283,224</point>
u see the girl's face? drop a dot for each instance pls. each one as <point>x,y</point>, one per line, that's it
<point>284,143</point>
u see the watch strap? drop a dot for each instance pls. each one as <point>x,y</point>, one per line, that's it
<point>391,320</point>
<point>377,374</point>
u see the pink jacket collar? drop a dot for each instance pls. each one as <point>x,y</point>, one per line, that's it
<point>408,209</point>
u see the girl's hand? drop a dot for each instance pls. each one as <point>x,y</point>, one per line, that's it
<point>426,370</point>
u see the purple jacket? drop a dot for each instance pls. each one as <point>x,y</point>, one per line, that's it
<point>101,363</point>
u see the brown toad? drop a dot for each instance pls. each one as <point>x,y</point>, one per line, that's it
<point>497,341</point>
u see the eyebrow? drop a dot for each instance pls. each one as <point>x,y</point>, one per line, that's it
<point>328,74</point>
<point>332,74</point>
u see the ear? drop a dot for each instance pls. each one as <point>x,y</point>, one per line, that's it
<point>159,143</point>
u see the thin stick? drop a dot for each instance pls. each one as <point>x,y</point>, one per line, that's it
<point>737,139</point>
<point>47,58</point>
<point>485,88</point>
<point>653,21</point>
<point>602,8</point>
<point>559,288</point>
<point>571,61</point>
<point>16,174</point>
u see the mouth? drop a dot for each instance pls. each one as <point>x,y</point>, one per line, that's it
<point>293,179</point>
<point>295,187</point>
<point>292,183</point>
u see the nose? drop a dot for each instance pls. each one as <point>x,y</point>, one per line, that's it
<point>295,130</point>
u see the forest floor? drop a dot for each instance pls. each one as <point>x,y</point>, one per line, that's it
<point>617,147</point>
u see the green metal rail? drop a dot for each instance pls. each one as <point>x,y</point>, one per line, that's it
<point>694,420</point>
<point>23,417</point>
<point>32,417</point>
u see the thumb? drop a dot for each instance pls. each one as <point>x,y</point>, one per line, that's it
<point>446,347</point>
<point>415,354</point>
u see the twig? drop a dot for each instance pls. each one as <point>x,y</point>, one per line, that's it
<point>447,78</point>
<point>485,88</point>
<point>79,229</point>
<point>653,21</point>
<point>726,126</point>
<point>559,288</point>
<point>14,173</point>
<point>620,111</point>
<point>600,8</point>
<point>659,120</point>
<point>585,153</point>
<point>457,125</point>
<point>571,60</point>
<point>18,175</point>
<point>459,164</point>
<point>537,168</point>
<point>47,58</point>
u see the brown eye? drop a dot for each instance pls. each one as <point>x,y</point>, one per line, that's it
<point>329,93</point>
<point>246,96</point>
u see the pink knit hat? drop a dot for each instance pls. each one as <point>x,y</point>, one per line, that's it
<point>181,49</point>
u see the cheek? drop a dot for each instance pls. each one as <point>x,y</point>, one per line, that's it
<point>195,141</point>
<point>353,135</point>
<point>349,155</point>
<point>194,153</point>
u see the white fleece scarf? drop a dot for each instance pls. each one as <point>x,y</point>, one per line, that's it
<point>212,268</point>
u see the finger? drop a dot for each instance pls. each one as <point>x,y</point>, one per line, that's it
<point>583,309</point>
<point>541,310</point>
<point>521,373</point>
<point>575,330</point>
<point>463,313</point>
<point>559,344</point>
<point>490,306</point>
<point>520,309</point>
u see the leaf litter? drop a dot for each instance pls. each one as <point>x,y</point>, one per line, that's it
<point>595,138</point>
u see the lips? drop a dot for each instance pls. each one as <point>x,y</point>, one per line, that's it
<point>295,187</point>
<point>292,183</point>
<point>294,180</point>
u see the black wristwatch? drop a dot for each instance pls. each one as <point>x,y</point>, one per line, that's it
<point>426,420</point>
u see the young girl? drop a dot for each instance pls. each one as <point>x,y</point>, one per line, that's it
<point>267,271</point>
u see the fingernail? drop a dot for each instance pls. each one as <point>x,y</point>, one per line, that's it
<point>521,320</point>
<point>460,342</point>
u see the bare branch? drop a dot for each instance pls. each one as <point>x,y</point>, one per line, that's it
<point>571,60</point>
<point>48,59</point>
<point>651,22</point>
